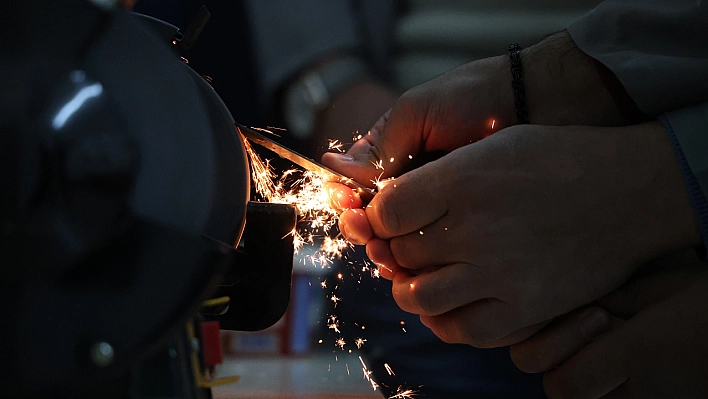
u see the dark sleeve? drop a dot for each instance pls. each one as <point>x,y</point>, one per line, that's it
<point>657,48</point>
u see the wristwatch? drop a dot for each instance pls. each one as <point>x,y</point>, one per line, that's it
<point>314,90</point>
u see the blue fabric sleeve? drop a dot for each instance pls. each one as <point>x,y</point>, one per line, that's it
<point>688,132</point>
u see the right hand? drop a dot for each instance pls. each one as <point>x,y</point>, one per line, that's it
<point>442,115</point>
<point>564,86</point>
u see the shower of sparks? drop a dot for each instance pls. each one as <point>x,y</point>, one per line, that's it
<point>336,145</point>
<point>359,342</point>
<point>378,165</point>
<point>403,393</point>
<point>389,370</point>
<point>306,190</point>
<point>316,218</point>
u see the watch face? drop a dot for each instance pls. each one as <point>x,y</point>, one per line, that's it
<point>299,113</point>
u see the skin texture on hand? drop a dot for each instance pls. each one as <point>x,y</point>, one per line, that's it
<point>493,240</point>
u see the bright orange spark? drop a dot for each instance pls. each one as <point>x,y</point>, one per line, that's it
<point>359,342</point>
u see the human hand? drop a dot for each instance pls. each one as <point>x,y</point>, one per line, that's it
<point>565,336</point>
<point>510,232</point>
<point>563,86</point>
<point>659,353</point>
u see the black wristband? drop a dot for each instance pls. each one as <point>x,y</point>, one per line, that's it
<point>517,83</point>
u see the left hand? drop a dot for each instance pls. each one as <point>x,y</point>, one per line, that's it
<point>496,238</point>
<point>659,353</point>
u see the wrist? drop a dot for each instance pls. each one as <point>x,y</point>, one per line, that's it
<point>565,86</point>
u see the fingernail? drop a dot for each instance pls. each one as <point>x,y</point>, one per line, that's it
<point>594,323</point>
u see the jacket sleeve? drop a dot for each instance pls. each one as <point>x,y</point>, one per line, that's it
<point>688,130</point>
<point>657,48</point>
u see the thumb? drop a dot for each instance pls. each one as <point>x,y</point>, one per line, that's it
<point>387,150</point>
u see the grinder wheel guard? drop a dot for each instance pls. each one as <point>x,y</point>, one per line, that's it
<point>124,189</point>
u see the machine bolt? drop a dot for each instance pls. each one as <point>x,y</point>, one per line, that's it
<point>102,354</point>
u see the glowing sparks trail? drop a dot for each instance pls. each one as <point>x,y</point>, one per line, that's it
<point>389,370</point>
